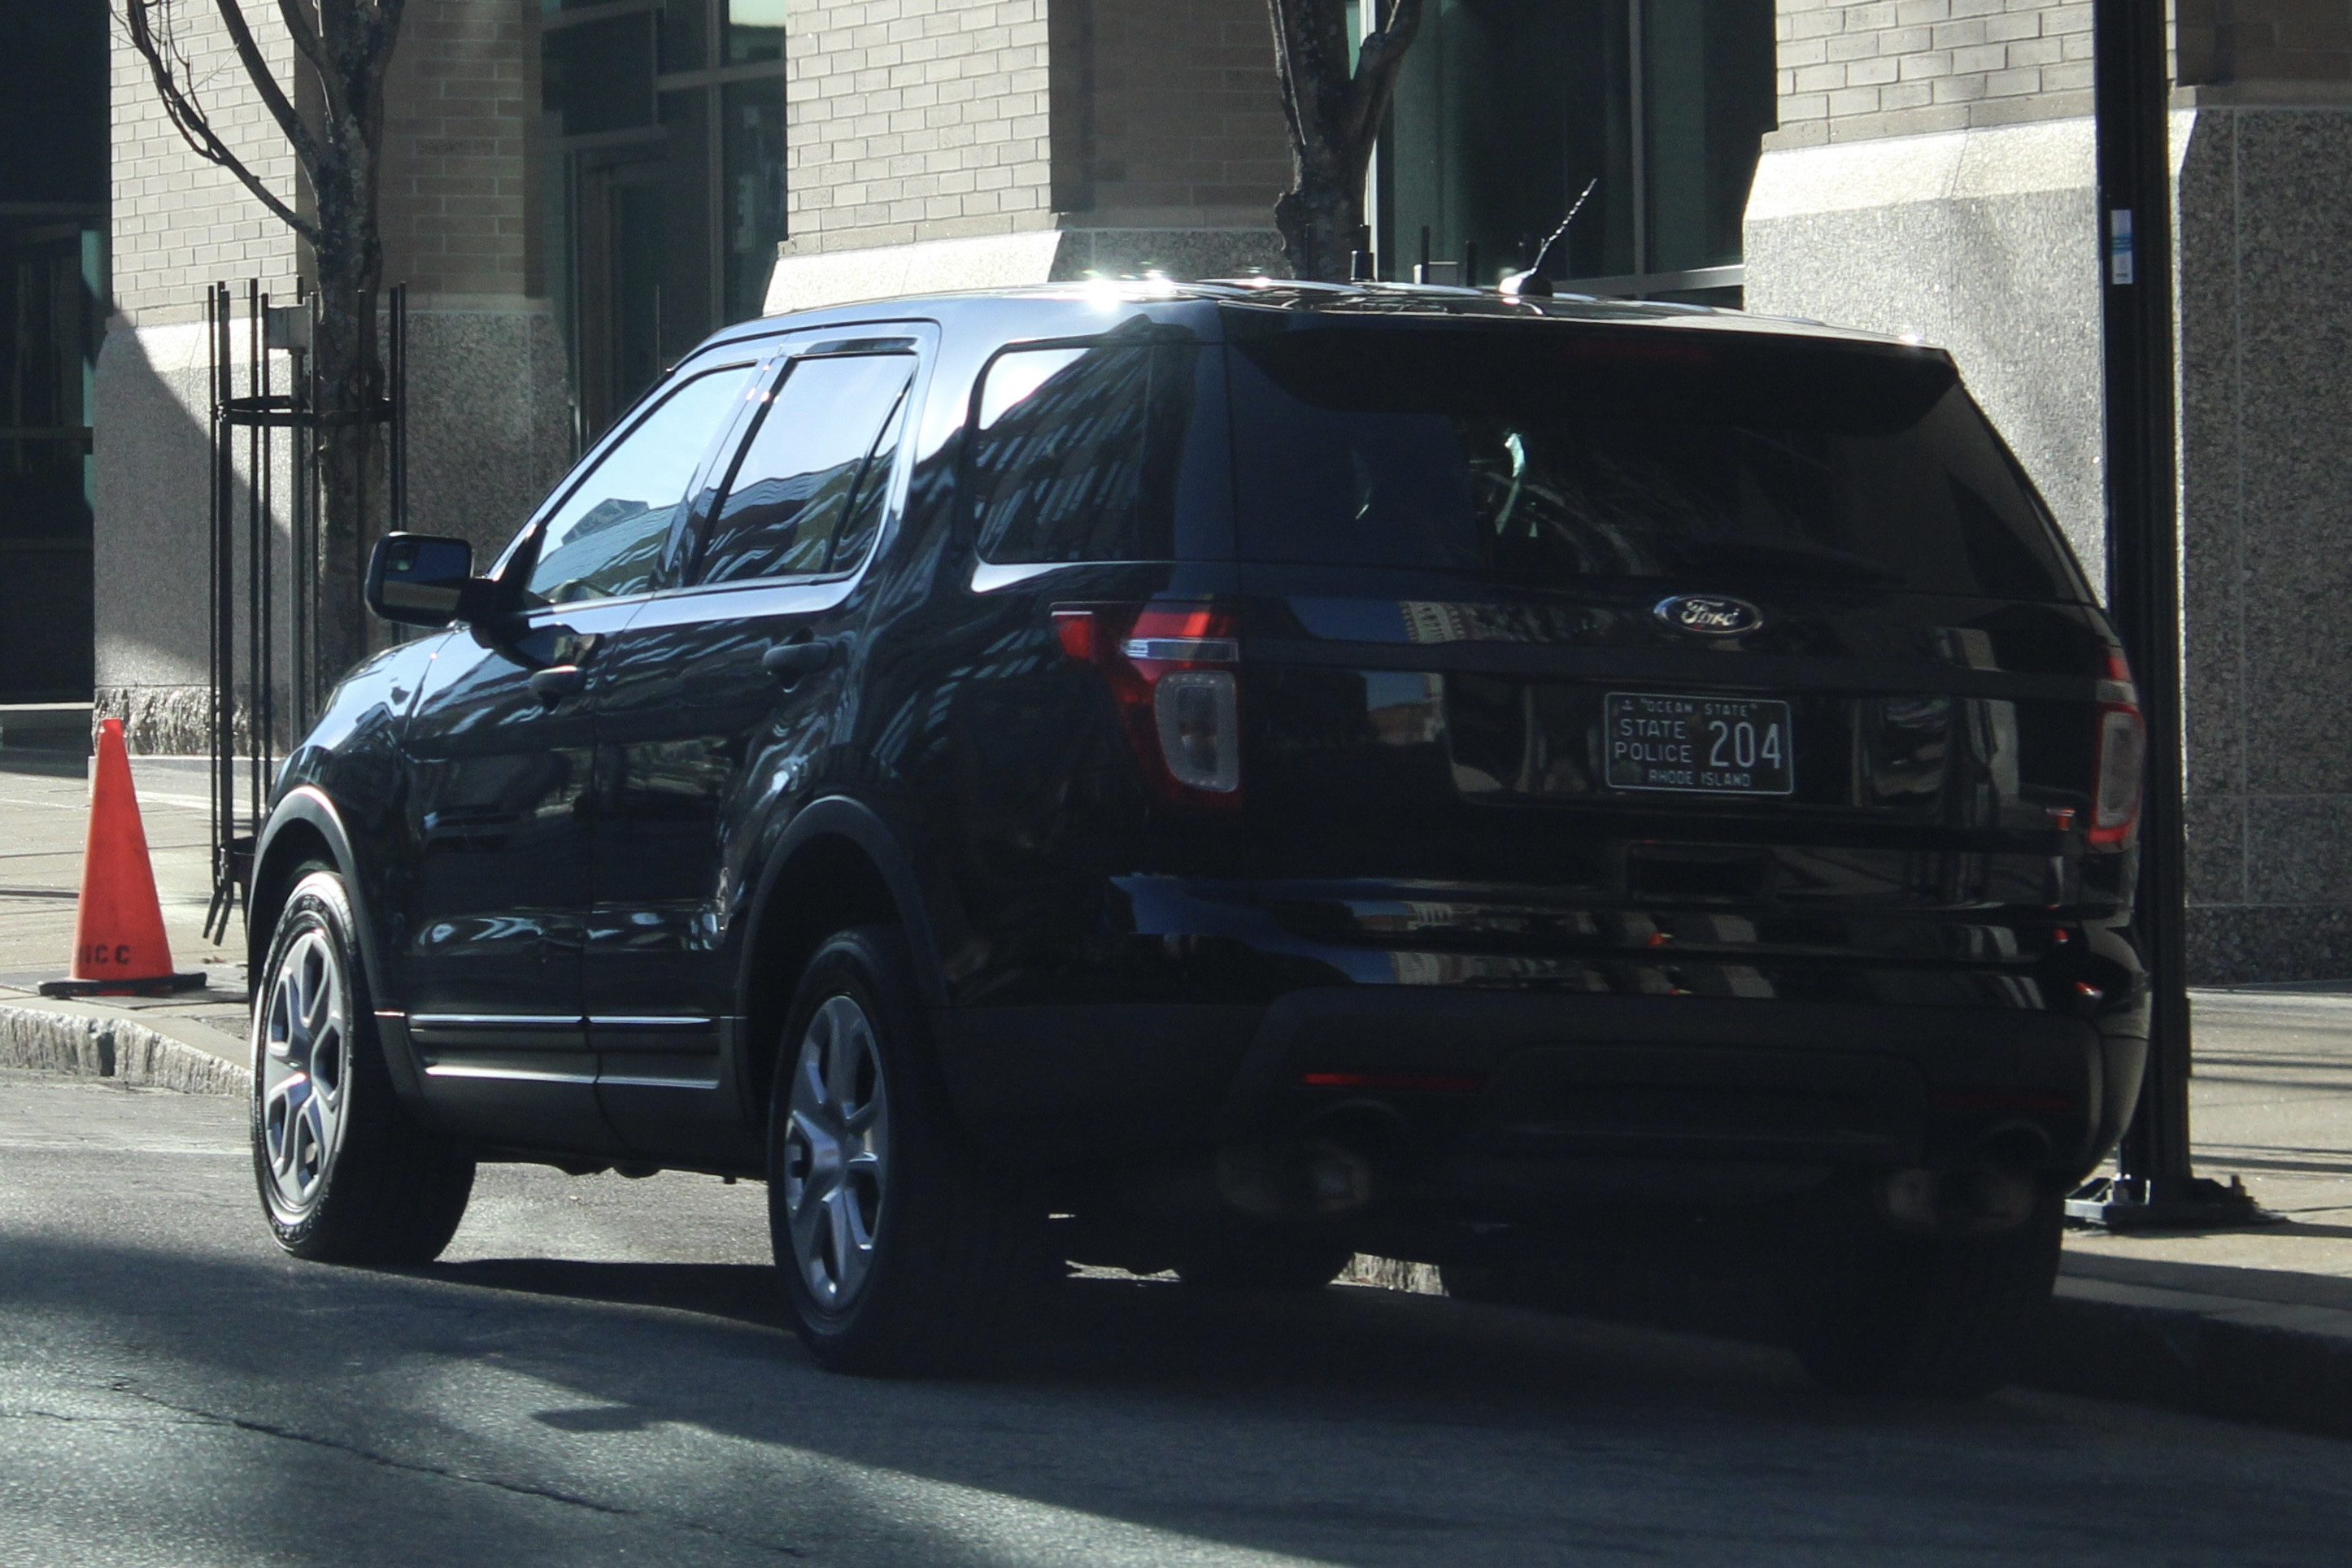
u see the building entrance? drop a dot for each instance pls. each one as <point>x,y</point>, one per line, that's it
<point>666,132</point>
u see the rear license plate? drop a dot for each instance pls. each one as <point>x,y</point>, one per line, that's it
<point>1702,745</point>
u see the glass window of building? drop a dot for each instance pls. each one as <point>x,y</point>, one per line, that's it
<point>53,291</point>
<point>665,186</point>
<point>1506,109</point>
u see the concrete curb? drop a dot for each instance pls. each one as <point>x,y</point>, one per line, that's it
<point>94,1045</point>
<point>2283,1364</point>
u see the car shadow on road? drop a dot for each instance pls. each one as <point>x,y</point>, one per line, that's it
<point>1357,1425</point>
<point>742,1293</point>
<point>1107,1330</point>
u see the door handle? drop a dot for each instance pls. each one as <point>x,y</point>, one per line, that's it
<point>554,685</point>
<point>788,662</point>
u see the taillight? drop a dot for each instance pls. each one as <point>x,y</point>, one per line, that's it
<point>2123,755</point>
<point>1172,670</point>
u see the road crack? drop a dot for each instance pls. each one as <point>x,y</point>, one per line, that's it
<point>198,1415</point>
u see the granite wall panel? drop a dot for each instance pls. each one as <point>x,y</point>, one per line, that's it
<point>1986,241</point>
<point>1972,240</point>
<point>2217,848</point>
<point>2266,541</point>
<point>2212,543</point>
<point>489,420</point>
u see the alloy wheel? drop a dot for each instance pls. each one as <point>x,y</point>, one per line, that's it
<point>837,1152</point>
<point>305,1059</point>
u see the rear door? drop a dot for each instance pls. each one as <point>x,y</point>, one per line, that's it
<point>1653,659</point>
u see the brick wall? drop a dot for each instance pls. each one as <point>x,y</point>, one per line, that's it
<point>1186,121</point>
<point>917,120</point>
<point>1893,68</point>
<point>2265,41</point>
<point>460,136</point>
<point>180,222</point>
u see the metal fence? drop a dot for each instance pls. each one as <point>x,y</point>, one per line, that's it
<point>246,659</point>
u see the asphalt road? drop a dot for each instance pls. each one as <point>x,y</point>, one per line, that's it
<point>596,1375</point>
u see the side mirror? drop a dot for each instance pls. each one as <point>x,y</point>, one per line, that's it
<point>419,580</point>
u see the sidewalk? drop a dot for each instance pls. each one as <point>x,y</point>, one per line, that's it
<point>2256,1324</point>
<point>44,817</point>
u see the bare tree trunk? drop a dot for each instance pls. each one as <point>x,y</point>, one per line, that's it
<point>349,379</point>
<point>346,46</point>
<point>1335,113</point>
<point>355,45</point>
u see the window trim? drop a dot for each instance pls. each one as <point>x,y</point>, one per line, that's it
<point>917,340</point>
<point>967,522</point>
<point>520,558</point>
<point>585,15</point>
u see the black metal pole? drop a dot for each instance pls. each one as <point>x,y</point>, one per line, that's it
<point>2156,1185</point>
<point>220,331</point>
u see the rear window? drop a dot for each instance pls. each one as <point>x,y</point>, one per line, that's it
<point>1552,456</point>
<point>1088,452</point>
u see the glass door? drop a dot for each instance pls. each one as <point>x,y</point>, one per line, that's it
<point>1505,111</point>
<point>665,126</point>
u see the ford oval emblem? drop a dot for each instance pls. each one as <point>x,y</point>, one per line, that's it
<point>1710,615</point>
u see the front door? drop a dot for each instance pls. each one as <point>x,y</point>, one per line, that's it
<point>503,754</point>
<point>714,714</point>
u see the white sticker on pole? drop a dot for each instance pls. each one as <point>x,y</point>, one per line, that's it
<point>2119,246</point>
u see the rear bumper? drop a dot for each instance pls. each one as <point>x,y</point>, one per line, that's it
<point>1542,1094</point>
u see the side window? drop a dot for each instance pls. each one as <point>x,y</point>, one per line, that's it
<point>607,538</point>
<point>1075,452</point>
<point>807,494</point>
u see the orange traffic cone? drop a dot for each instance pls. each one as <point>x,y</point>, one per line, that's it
<point>119,949</point>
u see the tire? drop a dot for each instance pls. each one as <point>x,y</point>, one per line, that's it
<point>1248,1260</point>
<point>346,1174</point>
<point>1877,1311</point>
<point>902,1254</point>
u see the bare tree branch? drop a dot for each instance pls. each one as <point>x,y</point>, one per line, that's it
<point>1377,59</point>
<point>273,97</point>
<point>168,67</point>
<point>307,41</point>
<point>1334,110</point>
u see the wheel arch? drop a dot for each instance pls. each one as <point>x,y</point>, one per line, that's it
<point>837,865</point>
<point>305,827</point>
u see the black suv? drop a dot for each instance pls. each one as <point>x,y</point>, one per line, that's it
<point>1222,776</point>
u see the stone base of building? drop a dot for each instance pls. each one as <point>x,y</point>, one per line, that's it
<point>160,720</point>
<point>2255,945</point>
<point>1009,260</point>
<point>176,721</point>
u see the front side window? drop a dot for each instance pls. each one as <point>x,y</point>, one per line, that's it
<point>1077,452</point>
<point>806,497</point>
<point>607,537</point>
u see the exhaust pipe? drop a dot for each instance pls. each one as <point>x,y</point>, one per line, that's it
<point>1317,1176</point>
<point>1982,1200</point>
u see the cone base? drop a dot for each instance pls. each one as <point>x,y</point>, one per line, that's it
<point>156,985</point>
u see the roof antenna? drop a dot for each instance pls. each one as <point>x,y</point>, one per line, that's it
<point>1532,284</point>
